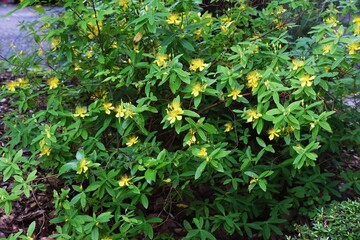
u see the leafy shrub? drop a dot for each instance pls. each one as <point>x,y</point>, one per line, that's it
<point>155,112</point>
<point>339,221</point>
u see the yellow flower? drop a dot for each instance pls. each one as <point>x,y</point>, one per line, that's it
<point>353,47</point>
<point>174,115</point>
<point>129,112</point>
<point>273,133</point>
<point>331,20</point>
<point>356,20</point>
<point>252,114</point>
<point>306,80</point>
<point>197,88</point>
<point>197,64</point>
<point>124,181</point>
<point>45,151</point>
<point>99,94</point>
<point>106,238</point>
<point>297,64</point>
<point>80,112</point>
<point>173,19</point>
<point>88,54</point>
<point>132,140</point>
<point>55,44</point>
<point>53,82</point>
<point>124,4</point>
<point>235,94</point>
<point>23,83</point>
<point>120,111</point>
<point>161,60</point>
<point>108,107</point>
<point>202,153</point>
<point>228,127</point>
<point>253,78</point>
<point>12,85</point>
<point>312,125</point>
<point>83,166</point>
<point>174,111</point>
<point>326,48</point>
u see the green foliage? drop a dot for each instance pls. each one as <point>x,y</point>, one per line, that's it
<point>339,221</point>
<point>150,103</point>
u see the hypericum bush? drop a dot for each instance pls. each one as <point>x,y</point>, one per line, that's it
<point>339,221</point>
<point>156,115</point>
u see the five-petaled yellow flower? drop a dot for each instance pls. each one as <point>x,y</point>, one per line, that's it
<point>174,111</point>
<point>173,19</point>
<point>11,86</point>
<point>252,114</point>
<point>197,88</point>
<point>235,94</point>
<point>161,59</point>
<point>53,82</point>
<point>80,112</point>
<point>120,111</point>
<point>132,140</point>
<point>83,166</point>
<point>253,79</point>
<point>273,133</point>
<point>124,181</point>
<point>202,153</point>
<point>297,64</point>
<point>197,64</point>
<point>228,127</point>
<point>306,80</point>
<point>108,107</point>
<point>353,47</point>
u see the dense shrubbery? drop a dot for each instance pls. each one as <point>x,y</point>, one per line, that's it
<point>154,112</point>
<point>339,221</point>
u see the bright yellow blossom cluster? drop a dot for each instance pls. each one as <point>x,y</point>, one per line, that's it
<point>174,18</point>
<point>124,4</point>
<point>197,64</point>
<point>235,93</point>
<point>252,115</point>
<point>197,88</point>
<point>273,133</point>
<point>81,112</point>
<point>132,140</point>
<point>124,181</point>
<point>108,107</point>
<point>55,43</point>
<point>124,110</point>
<point>44,147</point>
<point>174,111</point>
<point>306,80</point>
<point>20,82</point>
<point>228,127</point>
<point>83,166</point>
<point>253,78</point>
<point>332,21</point>
<point>353,47</point>
<point>53,82</point>
<point>161,59</point>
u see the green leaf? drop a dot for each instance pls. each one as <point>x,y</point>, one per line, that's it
<point>104,217</point>
<point>200,169</point>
